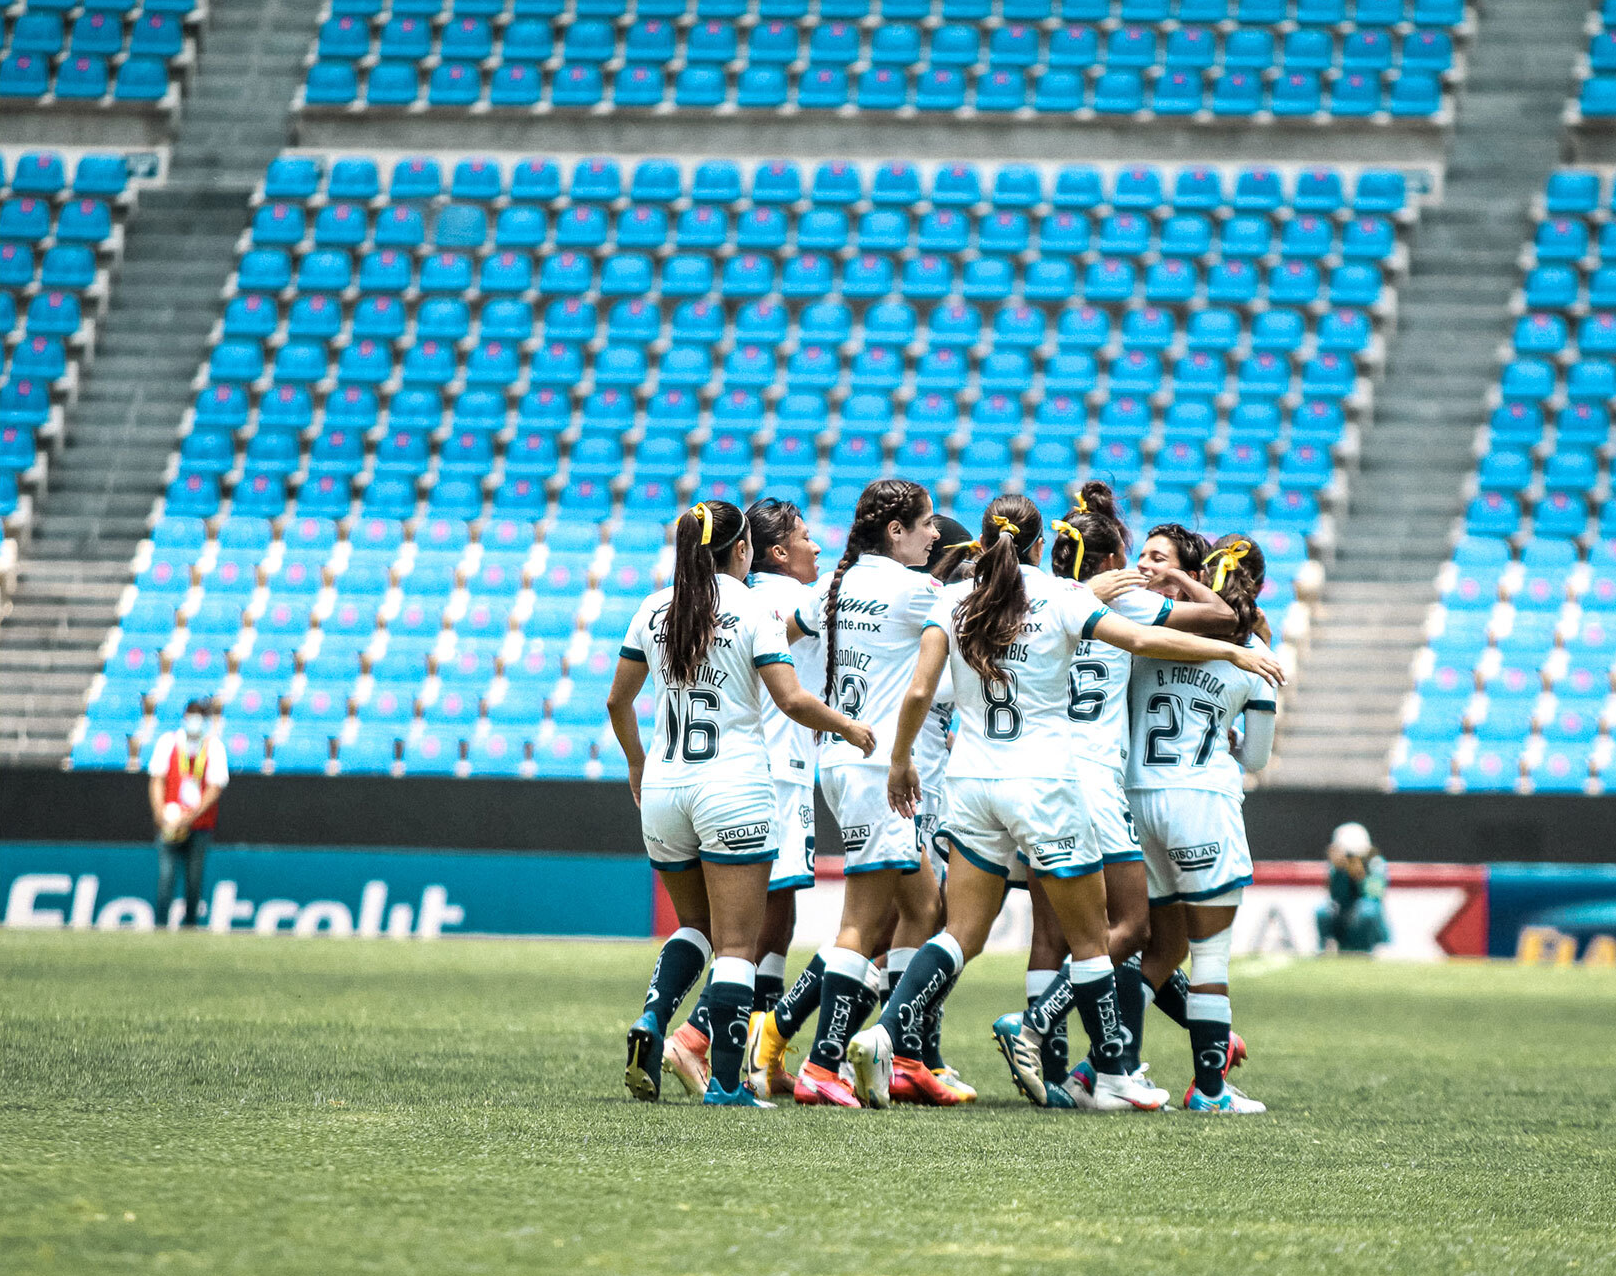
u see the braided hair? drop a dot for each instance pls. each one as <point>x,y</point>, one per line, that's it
<point>882,502</point>
<point>1243,578</point>
<point>701,535</point>
<point>990,616</point>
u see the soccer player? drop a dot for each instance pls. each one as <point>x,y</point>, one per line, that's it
<point>869,612</point>
<point>711,648</point>
<point>1009,638</point>
<point>1090,545</point>
<point>1185,782</point>
<point>784,564</point>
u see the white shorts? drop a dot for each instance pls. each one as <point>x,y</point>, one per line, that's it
<point>718,821</point>
<point>991,822</point>
<point>874,836</point>
<point>931,810</point>
<point>1195,845</point>
<point>794,826</point>
<point>1113,820</point>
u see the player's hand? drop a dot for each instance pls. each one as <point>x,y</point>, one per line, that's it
<point>859,736</point>
<point>1108,586</point>
<point>635,775</point>
<point>1262,663</point>
<point>903,788</point>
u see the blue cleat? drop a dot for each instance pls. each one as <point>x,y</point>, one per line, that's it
<point>1083,1075</point>
<point>1231,1102</point>
<point>1020,1047</point>
<point>740,1097</point>
<point>643,1076</point>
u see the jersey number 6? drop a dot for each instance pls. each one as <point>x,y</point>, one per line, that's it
<point>698,742</point>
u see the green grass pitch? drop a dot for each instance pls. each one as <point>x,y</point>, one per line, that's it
<point>198,1103</point>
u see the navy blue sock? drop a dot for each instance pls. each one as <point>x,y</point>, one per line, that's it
<point>1131,1006</point>
<point>701,1016</point>
<point>1094,985</point>
<point>1209,1040</point>
<point>771,982</point>
<point>1049,1011</point>
<point>1055,1052</point>
<point>845,998</point>
<point>677,968</point>
<point>930,971</point>
<point>799,1002</point>
<point>931,1053</point>
<point>729,1006</point>
<point>1172,996</point>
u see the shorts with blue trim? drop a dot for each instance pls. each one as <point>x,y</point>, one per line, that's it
<point>874,836</point>
<point>926,821</point>
<point>714,822</point>
<point>1101,787</point>
<point>1045,822</point>
<point>1195,845</point>
<point>794,827</point>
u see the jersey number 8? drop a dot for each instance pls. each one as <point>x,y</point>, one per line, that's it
<point>1003,719</point>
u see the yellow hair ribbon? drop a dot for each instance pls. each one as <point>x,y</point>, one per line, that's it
<point>1005,525</point>
<point>972,545</point>
<point>701,511</point>
<point>1082,505</point>
<point>1227,557</point>
<point>1063,528</point>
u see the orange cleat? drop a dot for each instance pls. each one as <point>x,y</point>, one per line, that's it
<point>685,1056</point>
<point>1237,1052</point>
<point>821,1086</point>
<point>914,1082</point>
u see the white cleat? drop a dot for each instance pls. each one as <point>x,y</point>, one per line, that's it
<point>1123,1093</point>
<point>1232,1102</point>
<point>1019,1046</point>
<point>870,1055</point>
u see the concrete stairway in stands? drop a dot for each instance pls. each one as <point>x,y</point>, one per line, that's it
<point>1344,716</point>
<point>178,254</point>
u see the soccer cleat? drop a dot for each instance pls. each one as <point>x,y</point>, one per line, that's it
<point>1125,1092</point>
<point>963,1090</point>
<point>764,1064</point>
<point>741,1096</point>
<point>914,1082</point>
<point>1019,1046</point>
<point>1231,1102</point>
<point>686,1057</point>
<point>1237,1052</point>
<point>1083,1075</point>
<point>822,1087</point>
<point>870,1053</point>
<point>643,1077</point>
<point>765,1048</point>
<point>1069,1094</point>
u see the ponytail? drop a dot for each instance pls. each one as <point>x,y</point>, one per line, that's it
<point>1083,541</point>
<point>882,502</point>
<point>988,619</point>
<point>701,535</point>
<point>1235,570</point>
<point>1097,498</point>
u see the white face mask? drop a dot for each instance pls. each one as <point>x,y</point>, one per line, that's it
<point>193,724</point>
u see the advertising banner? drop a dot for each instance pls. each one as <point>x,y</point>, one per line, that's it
<point>1551,912</point>
<point>278,890</point>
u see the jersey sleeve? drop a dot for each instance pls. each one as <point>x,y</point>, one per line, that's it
<point>810,610</point>
<point>769,646</point>
<point>636,642</point>
<point>941,615</point>
<point>1143,607</point>
<point>1081,611</point>
<point>922,600</point>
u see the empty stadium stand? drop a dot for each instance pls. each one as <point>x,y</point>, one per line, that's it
<point>420,360</point>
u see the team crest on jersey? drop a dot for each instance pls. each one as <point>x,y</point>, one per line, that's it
<point>743,838</point>
<point>1192,858</point>
<point>853,838</point>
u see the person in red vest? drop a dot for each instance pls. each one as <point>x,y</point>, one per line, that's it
<point>188,773</point>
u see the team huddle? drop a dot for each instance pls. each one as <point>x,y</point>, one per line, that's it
<point>974,720</point>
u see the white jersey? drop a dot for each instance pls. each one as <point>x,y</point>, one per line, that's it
<point>881,608</point>
<point>1181,719</point>
<point>712,727</point>
<point>931,745</point>
<point>1020,727</point>
<point>1098,691</point>
<point>791,745</point>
